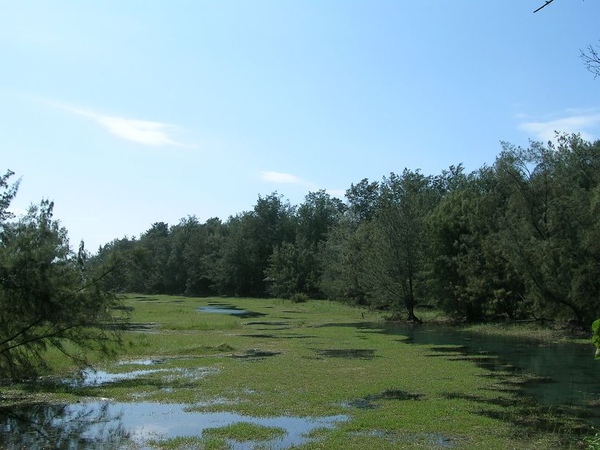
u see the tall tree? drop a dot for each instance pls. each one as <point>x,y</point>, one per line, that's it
<point>400,241</point>
<point>49,295</point>
<point>343,258</point>
<point>548,218</point>
<point>296,267</point>
<point>251,239</point>
<point>470,277</point>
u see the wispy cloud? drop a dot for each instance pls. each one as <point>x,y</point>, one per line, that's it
<point>288,178</point>
<point>571,121</point>
<point>280,177</point>
<point>144,132</point>
<point>338,193</point>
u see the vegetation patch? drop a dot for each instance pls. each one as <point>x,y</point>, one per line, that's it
<point>189,442</point>
<point>244,432</point>
<point>403,397</point>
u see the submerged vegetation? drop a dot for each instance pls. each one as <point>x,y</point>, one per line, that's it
<point>316,374</point>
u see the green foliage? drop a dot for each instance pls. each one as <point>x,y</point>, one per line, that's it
<point>50,297</point>
<point>244,431</point>
<point>593,442</point>
<point>596,337</point>
<point>321,364</point>
<point>299,297</point>
<point>396,259</point>
<point>519,239</point>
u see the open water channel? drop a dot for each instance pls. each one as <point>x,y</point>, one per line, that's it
<point>567,376</point>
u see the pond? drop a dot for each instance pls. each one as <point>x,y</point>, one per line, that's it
<point>106,424</point>
<point>568,374</point>
<point>224,308</point>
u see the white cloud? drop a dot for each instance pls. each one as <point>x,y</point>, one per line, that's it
<point>582,122</point>
<point>280,177</point>
<point>338,193</point>
<point>288,178</point>
<point>144,132</point>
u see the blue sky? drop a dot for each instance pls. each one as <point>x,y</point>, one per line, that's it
<point>126,113</point>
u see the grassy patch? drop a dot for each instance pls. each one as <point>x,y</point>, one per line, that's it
<point>314,359</point>
<point>190,443</point>
<point>243,432</point>
<point>532,331</point>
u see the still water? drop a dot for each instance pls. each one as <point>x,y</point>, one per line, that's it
<point>570,375</point>
<point>114,425</point>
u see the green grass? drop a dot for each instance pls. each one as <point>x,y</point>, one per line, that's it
<point>242,432</point>
<point>528,331</point>
<point>310,360</point>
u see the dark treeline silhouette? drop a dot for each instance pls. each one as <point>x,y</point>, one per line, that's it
<point>519,239</point>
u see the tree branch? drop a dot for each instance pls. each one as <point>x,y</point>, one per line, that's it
<point>543,6</point>
<point>591,59</point>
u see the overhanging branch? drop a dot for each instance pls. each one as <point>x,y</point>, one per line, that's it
<point>543,6</point>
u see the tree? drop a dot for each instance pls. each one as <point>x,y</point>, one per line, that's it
<point>363,199</point>
<point>49,296</point>
<point>591,59</point>
<point>549,228</point>
<point>251,238</point>
<point>543,6</point>
<point>343,257</point>
<point>300,265</point>
<point>469,276</point>
<point>201,257</point>
<point>590,56</point>
<point>400,241</point>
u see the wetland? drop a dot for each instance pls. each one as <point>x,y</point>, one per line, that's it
<point>251,373</point>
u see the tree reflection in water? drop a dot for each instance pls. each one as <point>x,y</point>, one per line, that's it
<point>90,426</point>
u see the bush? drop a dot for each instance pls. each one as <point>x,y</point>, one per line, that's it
<point>299,297</point>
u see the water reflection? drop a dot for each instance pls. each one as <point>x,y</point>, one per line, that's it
<point>91,377</point>
<point>100,425</point>
<point>567,373</point>
<point>223,308</point>
<point>95,426</point>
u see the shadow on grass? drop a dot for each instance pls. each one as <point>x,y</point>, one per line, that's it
<point>369,402</point>
<point>279,336</point>
<point>512,404</point>
<point>351,353</point>
<point>254,354</point>
<point>529,416</point>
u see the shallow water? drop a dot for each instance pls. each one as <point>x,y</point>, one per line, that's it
<point>230,310</point>
<point>91,377</point>
<point>570,375</point>
<point>105,424</point>
<point>571,378</point>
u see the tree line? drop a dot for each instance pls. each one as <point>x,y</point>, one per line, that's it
<point>517,239</point>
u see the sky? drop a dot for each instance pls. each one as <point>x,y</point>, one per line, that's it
<point>126,113</point>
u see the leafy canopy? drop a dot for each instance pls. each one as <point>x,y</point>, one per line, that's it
<point>49,296</point>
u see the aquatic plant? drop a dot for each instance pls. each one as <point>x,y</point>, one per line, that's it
<point>593,442</point>
<point>596,337</point>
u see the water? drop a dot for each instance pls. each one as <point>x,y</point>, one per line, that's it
<point>569,374</point>
<point>91,377</point>
<point>223,308</point>
<point>106,425</point>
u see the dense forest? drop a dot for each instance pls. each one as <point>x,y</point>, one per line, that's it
<point>519,239</point>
